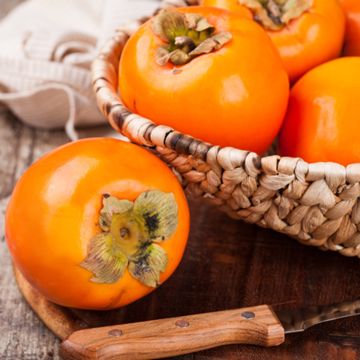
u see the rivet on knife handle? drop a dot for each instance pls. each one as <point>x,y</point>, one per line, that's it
<point>175,336</point>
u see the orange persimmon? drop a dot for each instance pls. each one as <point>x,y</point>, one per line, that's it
<point>352,37</point>
<point>306,33</point>
<point>97,224</point>
<point>208,73</point>
<point>322,123</point>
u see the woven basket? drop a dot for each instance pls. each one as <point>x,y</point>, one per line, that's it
<point>318,204</point>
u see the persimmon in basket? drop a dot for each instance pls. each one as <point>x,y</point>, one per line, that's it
<point>352,38</point>
<point>322,123</point>
<point>208,73</point>
<point>306,33</point>
<point>97,224</point>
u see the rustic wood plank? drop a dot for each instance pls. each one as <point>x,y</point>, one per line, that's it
<point>23,336</point>
<point>10,137</point>
<point>20,146</point>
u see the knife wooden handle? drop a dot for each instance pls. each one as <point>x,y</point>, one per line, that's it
<point>175,336</point>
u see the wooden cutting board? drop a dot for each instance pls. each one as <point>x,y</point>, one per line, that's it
<point>229,264</point>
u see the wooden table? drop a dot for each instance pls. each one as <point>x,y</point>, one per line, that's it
<point>227,264</point>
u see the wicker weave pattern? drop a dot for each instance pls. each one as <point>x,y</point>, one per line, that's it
<point>318,204</point>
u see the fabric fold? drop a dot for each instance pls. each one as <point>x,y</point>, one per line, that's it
<point>46,54</point>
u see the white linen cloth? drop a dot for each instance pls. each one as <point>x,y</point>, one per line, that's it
<point>46,48</point>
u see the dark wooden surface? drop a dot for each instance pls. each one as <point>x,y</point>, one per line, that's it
<point>227,264</point>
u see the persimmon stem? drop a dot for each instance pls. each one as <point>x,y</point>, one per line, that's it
<point>129,230</point>
<point>185,36</point>
<point>276,14</point>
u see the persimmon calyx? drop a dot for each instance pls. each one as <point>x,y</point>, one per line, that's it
<point>186,36</point>
<point>130,231</point>
<point>276,14</point>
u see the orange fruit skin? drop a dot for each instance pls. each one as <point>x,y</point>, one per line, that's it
<point>224,97</point>
<point>352,37</point>
<point>312,39</point>
<point>322,122</point>
<point>54,210</point>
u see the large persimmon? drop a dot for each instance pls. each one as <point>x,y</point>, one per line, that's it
<point>97,224</point>
<point>306,33</point>
<point>208,73</point>
<point>322,123</point>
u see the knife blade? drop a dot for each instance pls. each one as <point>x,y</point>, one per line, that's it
<point>155,339</point>
<point>298,320</point>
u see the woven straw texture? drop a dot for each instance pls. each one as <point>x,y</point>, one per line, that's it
<point>318,204</point>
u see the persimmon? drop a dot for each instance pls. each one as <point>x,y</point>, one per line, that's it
<point>352,37</point>
<point>97,224</point>
<point>208,73</point>
<point>306,33</point>
<point>322,123</point>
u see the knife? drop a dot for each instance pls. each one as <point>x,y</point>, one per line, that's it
<point>259,325</point>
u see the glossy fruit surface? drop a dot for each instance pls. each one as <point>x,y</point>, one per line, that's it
<point>64,208</point>
<point>231,5</point>
<point>316,36</point>
<point>322,123</point>
<point>352,37</point>
<point>234,96</point>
